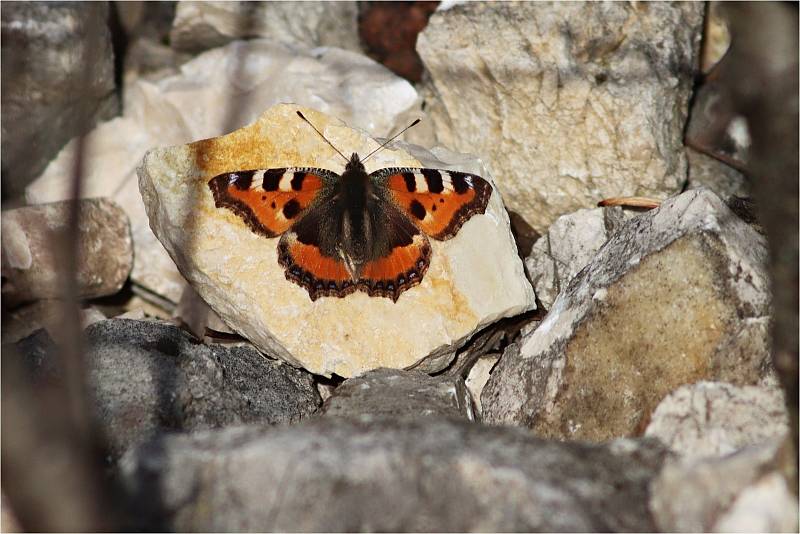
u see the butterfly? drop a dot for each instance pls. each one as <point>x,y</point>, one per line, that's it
<point>355,231</point>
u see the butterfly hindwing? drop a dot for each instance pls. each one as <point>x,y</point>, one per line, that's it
<point>306,265</point>
<point>439,202</point>
<point>270,201</point>
<point>401,256</point>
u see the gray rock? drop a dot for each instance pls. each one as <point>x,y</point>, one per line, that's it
<point>570,102</point>
<point>58,81</point>
<point>33,258</point>
<point>395,393</point>
<point>742,492</point>
<point>199,26</point>
<point>38,350</point>
<point>678,295</point>
<point>478,377</point>
<point>147,377</point>
<point>715,418</point>
<point>433,474</point>
<point>569,244</point>
<point>711,173</point>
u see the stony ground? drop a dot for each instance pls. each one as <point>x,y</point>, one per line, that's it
<point>560,367</point>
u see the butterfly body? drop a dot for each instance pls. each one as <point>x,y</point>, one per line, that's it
<point>356,238</point>
<point>354,231</point>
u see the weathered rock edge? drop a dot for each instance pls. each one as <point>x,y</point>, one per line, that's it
<point>559,381</point>
<point>434,474</point>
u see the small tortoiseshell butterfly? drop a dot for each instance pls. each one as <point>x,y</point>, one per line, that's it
<point>354,231</point>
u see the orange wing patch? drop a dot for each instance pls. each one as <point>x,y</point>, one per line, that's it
<point>402,269</point>
<point>323,276</point>
<point>306,266</point>
<point>269,201</point>
<point>438,202</point>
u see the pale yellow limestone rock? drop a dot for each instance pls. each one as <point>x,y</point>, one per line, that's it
<point>473,279</point>
<point>569,102</point>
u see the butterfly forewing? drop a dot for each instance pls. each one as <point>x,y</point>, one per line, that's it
<point>439,202</point>
<point>270,201</point>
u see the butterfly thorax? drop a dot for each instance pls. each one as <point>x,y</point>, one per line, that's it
<point>356,198</point>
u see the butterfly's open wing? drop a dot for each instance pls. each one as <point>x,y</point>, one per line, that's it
<point>270,201</point>
<point>403,261</point>
<point>439,202</point>
<point>402,255</point>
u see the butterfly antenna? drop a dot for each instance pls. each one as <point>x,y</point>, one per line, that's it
<point>395,136</point>
<point>320,134</point>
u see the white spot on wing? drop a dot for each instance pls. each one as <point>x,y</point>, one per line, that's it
<point>258,180</point>
<point>422,185</point>
<point>447,183</point>
<point>286,181</point>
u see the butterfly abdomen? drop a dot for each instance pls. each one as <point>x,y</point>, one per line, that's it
<point>357,229</point>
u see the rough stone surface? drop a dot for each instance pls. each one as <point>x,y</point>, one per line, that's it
<point>715,418</point>
<point>678,295</point>
<point>742,492</point>
<point>190,104</point>
<point>58,80</point>
<point>429,475</point>
<point>33,259</point>
<point>569,244</point>
<point>473,280</point>
<point>395,393</point>
<point>203,25</point>
<point>148,377</point>
<point>478,377</point>
<point>570,102</point>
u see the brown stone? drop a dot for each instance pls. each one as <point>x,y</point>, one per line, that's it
<point>396,49</point>
<point>32,263</point>
<point>676,296</point>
